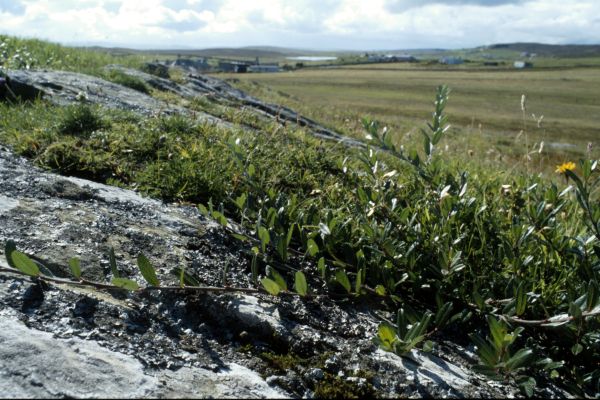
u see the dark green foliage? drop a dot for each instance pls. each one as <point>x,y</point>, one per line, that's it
<point>147,270</point>
<point>334,387</point>
<point>24,263</point>
<point>129,81</point>
<point>80,120</point>
<point>177,125</point>
<point>125,283</point>
<point>9,248</point>
<point>75,266</point>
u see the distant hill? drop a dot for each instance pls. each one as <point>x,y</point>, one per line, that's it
<point>224,52</point>
<point>274,52</point>
<point>567,50</point>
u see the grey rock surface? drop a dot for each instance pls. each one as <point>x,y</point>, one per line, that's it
<point>33,363</point>
<point>64,88</point>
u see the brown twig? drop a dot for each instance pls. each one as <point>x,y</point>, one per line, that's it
<point>98,285</point>
<point>545,322</point>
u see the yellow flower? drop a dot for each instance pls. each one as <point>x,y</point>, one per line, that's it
<point>564,167</point>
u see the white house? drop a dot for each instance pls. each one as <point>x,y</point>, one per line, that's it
<point>522,64</point>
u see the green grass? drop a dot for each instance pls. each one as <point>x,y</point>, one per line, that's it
<point>485,107</point>
<point>18,53</point>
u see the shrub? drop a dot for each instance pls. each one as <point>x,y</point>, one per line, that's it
<point>129,81</point>
<point>80,120</point>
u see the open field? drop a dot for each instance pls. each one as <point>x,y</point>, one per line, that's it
<point>485,106</point>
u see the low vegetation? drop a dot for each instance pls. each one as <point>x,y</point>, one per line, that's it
<point>510,258</point>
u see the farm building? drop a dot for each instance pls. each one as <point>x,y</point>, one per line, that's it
<point>234,66</point>
<point>191,64</point>
<point>264,68</point>
<point>451,60</point>
<point>391,58</point>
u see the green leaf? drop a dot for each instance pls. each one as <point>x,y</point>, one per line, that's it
<point>427,346</point>
<point>289,236</point>
<point>520,359</point>
<point>300,283</point>
<point>125,283</point>
<point>312,248</point>
<point>486,352</point>
<point>219,217</point>
<point>416,332</point>
<point>478,300</point>
<point>278,278</point>
<point>147,270</point>
<point>427,145</point>
<point>592,295</point>
<point>240,201</point>
<point>358,284</point>
<point>9,247</point>
<point>254,265</point>
<point>182,278</point>
<point>251,170</point>
<point>24,263</point>
<point>240,237</point>
<point>271,286</point>
<point>265,238</point>
<point>488,370</point>
<point>380,290</point>
<point>203,210</point>
<point>527,385</point>
<point>386,336</point>
<point>342,279</point>
<point>401,323</point>
<point>497,330</point>
<point>576,349</point>
<point>113,262</point>
<point>443,315</point>
<point>188,279</point>
<point>575,311</point>
<point>321,267</point>
<point>75,265</point>
<point>547,364</point>
<point>282,249</point>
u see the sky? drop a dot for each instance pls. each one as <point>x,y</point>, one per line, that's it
<point>304,24</point>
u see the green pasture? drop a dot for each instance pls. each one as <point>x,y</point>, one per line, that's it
<point>485,107</point>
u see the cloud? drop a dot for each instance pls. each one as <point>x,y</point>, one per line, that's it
<point>399,6</point>
<point>323,24</point>
<point>14,7</point>
<point>196,5</point>
<point>184,21</point>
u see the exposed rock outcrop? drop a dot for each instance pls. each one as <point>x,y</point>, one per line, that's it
<point>64,88</point>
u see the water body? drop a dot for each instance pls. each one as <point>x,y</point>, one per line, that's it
<point>312,58</point>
